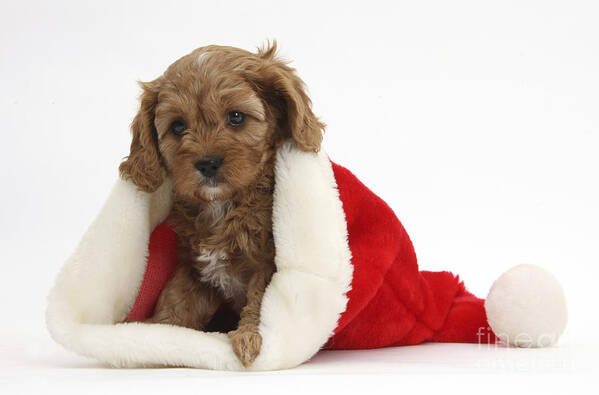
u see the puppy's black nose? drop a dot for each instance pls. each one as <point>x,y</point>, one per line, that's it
<point>209,165</point>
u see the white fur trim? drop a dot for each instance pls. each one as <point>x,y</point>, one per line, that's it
<point>526,307</point>
<point>97,286</point>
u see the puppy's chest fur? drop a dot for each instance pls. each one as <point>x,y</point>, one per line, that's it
<point>226,241</point>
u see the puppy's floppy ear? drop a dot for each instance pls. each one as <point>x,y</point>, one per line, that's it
<point>284,91</point>
<point>142,166</point>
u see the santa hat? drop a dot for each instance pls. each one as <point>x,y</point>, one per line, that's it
<point>347,278</point>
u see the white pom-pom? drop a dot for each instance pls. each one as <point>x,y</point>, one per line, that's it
<point>526,307</point>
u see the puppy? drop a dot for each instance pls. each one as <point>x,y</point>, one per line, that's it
<point>212,122</point>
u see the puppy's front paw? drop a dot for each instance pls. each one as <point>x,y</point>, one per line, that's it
<point>246,342</point>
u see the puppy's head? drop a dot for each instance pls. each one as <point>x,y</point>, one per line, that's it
<point>213,120</point>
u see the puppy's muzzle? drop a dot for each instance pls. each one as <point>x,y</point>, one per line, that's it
<point>209,165</point>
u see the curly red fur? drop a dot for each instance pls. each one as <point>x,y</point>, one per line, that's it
<point>223,227</point>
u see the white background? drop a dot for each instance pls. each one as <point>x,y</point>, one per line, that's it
<point>477,121</point>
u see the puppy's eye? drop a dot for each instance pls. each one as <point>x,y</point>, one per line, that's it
<point>235,118</point>
<point>178,128</point>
